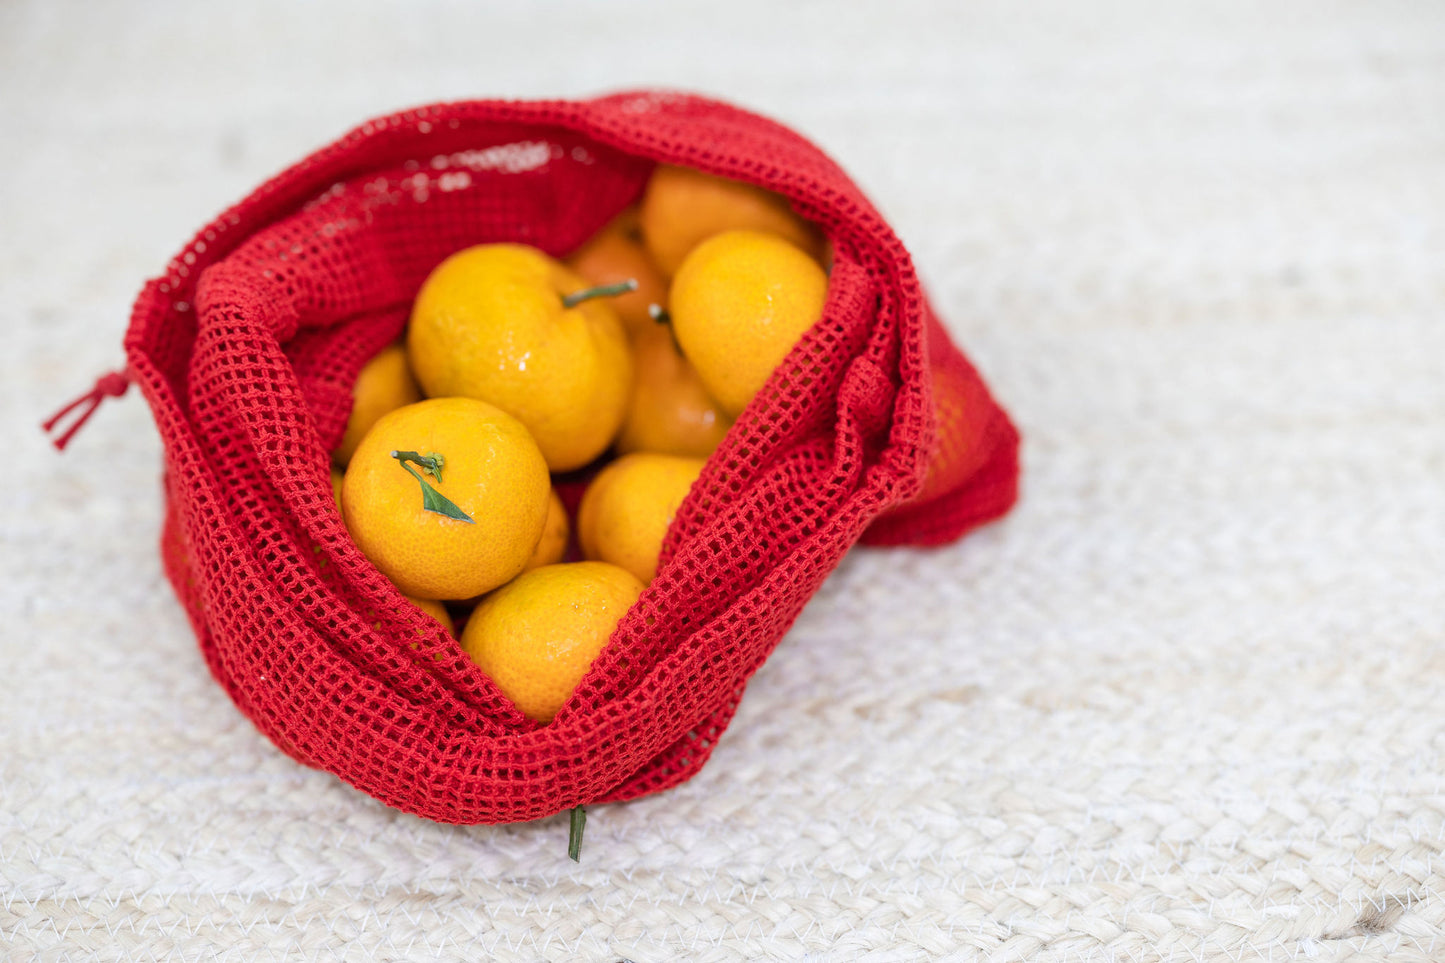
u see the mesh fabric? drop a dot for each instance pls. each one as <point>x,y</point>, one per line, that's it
<point>247,347</point>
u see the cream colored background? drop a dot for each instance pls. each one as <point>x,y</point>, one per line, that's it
<point>1186,703</point>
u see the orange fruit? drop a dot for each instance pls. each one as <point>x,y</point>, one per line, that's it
<point>626,223</point>
<point>613,256</point>
<point>627,509</point>
<point>383,384</point>
<point>739,303</point>
<point>490,322</point>
<point>553,544</point>
<point>491,471</point>
<point>682,207</point>
<point>436,610</point>
<point>537,636</point>
<point>670,413</point>
<point>957,434</point>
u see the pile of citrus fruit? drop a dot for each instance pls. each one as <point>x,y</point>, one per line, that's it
<point>623,366</point>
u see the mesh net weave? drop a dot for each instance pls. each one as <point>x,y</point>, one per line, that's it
<point>246,350</point>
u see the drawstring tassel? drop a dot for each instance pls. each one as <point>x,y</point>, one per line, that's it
<point>110,385</point>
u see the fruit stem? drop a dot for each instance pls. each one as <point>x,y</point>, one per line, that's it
<point>431,463</point>
<point>659,314</point>
<point>431,499</point>
<point>601,291</point>
<point>574,833</point>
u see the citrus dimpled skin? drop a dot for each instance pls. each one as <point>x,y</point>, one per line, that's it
<point>383,384</point>
<point>627,509</point>
<point>552,546</point>
<point>612,256</point>
<point>537,636</point>
<point>492,471</point>
<point>490,323</point>
<point>671,412</point>
<point>739,303</point>
<point>682,207</point>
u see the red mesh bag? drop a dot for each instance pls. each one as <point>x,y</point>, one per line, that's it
<point>247,349</point>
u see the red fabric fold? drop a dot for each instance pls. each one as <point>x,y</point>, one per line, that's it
<point>246,350</point>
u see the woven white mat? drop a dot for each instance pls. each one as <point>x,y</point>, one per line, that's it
<point>1186,703</point>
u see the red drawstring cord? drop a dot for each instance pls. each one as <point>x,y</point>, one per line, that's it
<point>110,385</point>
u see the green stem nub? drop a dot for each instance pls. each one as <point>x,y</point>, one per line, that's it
<point>660,314</point>
<point>574,834</point>
<point>601,291</point>
<point>431,463</point>
<point>431,499</point>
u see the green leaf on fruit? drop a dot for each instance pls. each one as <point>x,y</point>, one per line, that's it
<point>434,501</point>
<point>431,499</point>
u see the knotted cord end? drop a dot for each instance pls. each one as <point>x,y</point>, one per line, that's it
<point>112,384</point>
